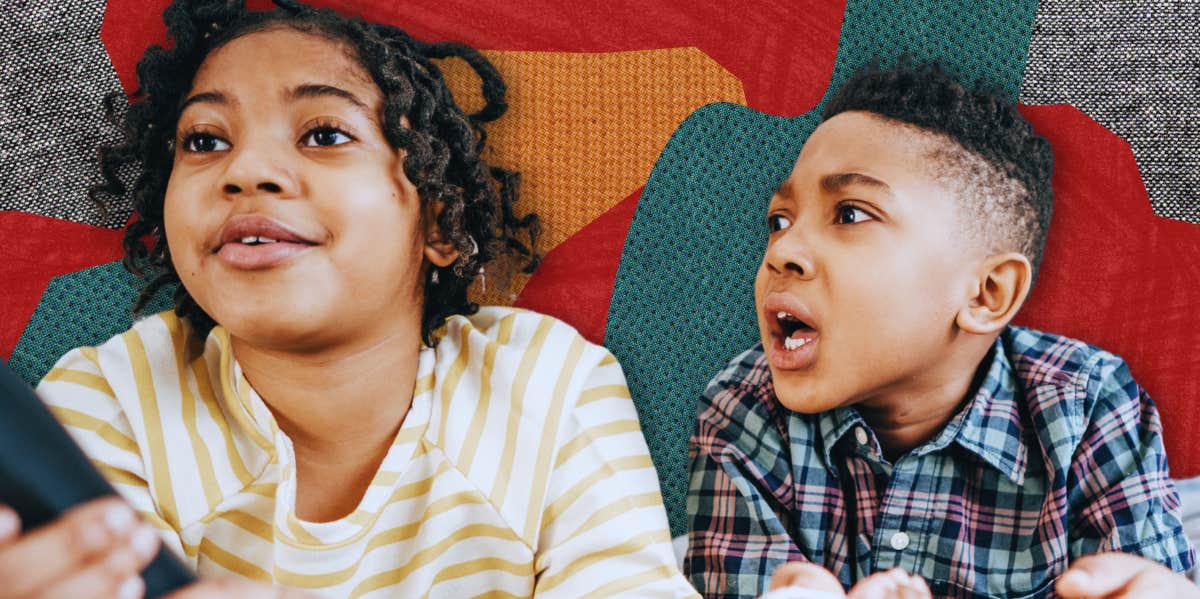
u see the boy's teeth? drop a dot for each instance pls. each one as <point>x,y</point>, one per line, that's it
<point>782,315</point>
<point>790,343</point>
<point>250,239</point>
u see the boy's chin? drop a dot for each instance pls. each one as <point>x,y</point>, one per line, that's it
<point>802,395</point>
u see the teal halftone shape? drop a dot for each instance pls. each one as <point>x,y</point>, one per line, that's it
<point>77,309</point>
<point>683,301</point>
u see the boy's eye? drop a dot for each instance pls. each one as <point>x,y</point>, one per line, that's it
<point>203,142</point>
<point>325,136</point>
<point>849,215</point>
<point>778,222</point>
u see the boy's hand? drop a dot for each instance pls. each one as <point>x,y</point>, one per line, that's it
<point>1116,575</point>
<point>228,588</point>
<point>806,575</point>
<point>94,550</point>
<point>892,584</point>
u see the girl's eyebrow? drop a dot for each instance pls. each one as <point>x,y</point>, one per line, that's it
<point>306,90</point>
<point>204,97</point>
<point>316,90</point>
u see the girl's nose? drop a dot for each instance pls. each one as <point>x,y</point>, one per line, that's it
<point>254,170</point>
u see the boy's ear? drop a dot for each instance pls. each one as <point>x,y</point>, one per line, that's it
<point>999,288</point>
<point>438,250</point>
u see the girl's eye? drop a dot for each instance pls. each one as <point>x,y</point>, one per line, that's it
<point>325,136</point>
<point>850,215</point>
<point>778,222</point>
<point>204,142</point>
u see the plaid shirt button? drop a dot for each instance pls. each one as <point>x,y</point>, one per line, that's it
<point>899,540</point>
<point>860,433</point>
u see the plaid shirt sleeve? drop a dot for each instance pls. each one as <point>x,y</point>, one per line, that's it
<point>739,469</point>
<point>1119,477</point>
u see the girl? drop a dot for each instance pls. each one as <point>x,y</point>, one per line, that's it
<point>324,409</point>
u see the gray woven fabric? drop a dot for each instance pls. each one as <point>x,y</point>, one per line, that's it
<point>1134,67</point>
<point>55,71</point>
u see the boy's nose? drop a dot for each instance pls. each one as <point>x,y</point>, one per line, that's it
<point>790,254</point>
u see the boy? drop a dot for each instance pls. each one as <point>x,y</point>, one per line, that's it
<point>891,417</point>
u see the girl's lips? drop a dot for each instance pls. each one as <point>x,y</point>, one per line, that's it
<point>242,226</point>
<point>256,242</point>
<point>257,257</point>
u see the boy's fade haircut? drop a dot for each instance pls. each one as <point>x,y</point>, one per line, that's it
<point>1000,169</point>
<point>442,144</point>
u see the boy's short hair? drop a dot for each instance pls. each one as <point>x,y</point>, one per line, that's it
<point>442,144</point>
<point>999,168</point>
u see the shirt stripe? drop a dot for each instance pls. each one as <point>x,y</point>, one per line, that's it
<point>470,497</point>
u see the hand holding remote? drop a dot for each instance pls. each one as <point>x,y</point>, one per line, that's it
<point>63,530</point>
<point>94,550</point>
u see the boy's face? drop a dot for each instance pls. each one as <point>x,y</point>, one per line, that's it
<point>865,267</point>
<point>289,218</point>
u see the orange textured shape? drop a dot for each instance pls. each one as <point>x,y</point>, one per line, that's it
<point>584,129</point>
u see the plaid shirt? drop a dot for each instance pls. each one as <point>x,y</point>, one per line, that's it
<point>1058,454</point>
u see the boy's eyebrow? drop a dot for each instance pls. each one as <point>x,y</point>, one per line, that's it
<point>835,182</point>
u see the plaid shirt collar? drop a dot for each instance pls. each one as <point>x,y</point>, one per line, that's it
<point>989,426</point>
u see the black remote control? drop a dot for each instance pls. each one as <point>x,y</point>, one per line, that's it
<point>44,473</point>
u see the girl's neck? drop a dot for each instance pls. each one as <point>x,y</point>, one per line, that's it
<point>341,408</point>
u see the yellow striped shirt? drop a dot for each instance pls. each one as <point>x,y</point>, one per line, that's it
<point>520,469</point>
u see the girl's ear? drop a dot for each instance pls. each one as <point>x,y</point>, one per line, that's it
<point>998,290</point>
<point>440,252</point>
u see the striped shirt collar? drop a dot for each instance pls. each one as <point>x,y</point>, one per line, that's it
<point>989,425</point>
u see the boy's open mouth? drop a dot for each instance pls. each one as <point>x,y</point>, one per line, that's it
<point>794,332</point>
<point>791,332</point>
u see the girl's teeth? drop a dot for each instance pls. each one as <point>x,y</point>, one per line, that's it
<point>257,239</point>
<point>782,315</point>
<point>790,343</point>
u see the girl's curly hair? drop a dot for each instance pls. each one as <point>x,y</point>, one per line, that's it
<point>442,144</point>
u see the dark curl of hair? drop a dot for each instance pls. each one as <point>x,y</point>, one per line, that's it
<point>983,123</point>
<point>442,144</point>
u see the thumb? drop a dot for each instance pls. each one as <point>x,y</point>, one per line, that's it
<point>1098,575</point>
<point>10,525</point>
<point>807,576</point>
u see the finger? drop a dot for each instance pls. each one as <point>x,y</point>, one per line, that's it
<point>1100,575</point>
<point>876,586</point>
<point>50,553</point>
<point>114,575</point>
<point>806,575</point>
<point>907,586</point>
<point>918,589</point>
<point>1158,581</point>
<point>10,525</point>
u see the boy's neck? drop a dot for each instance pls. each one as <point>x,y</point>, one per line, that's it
<point>341,409</point>
<point>907,418</point>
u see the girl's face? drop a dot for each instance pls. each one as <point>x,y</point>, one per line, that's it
<point>289,218</point>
